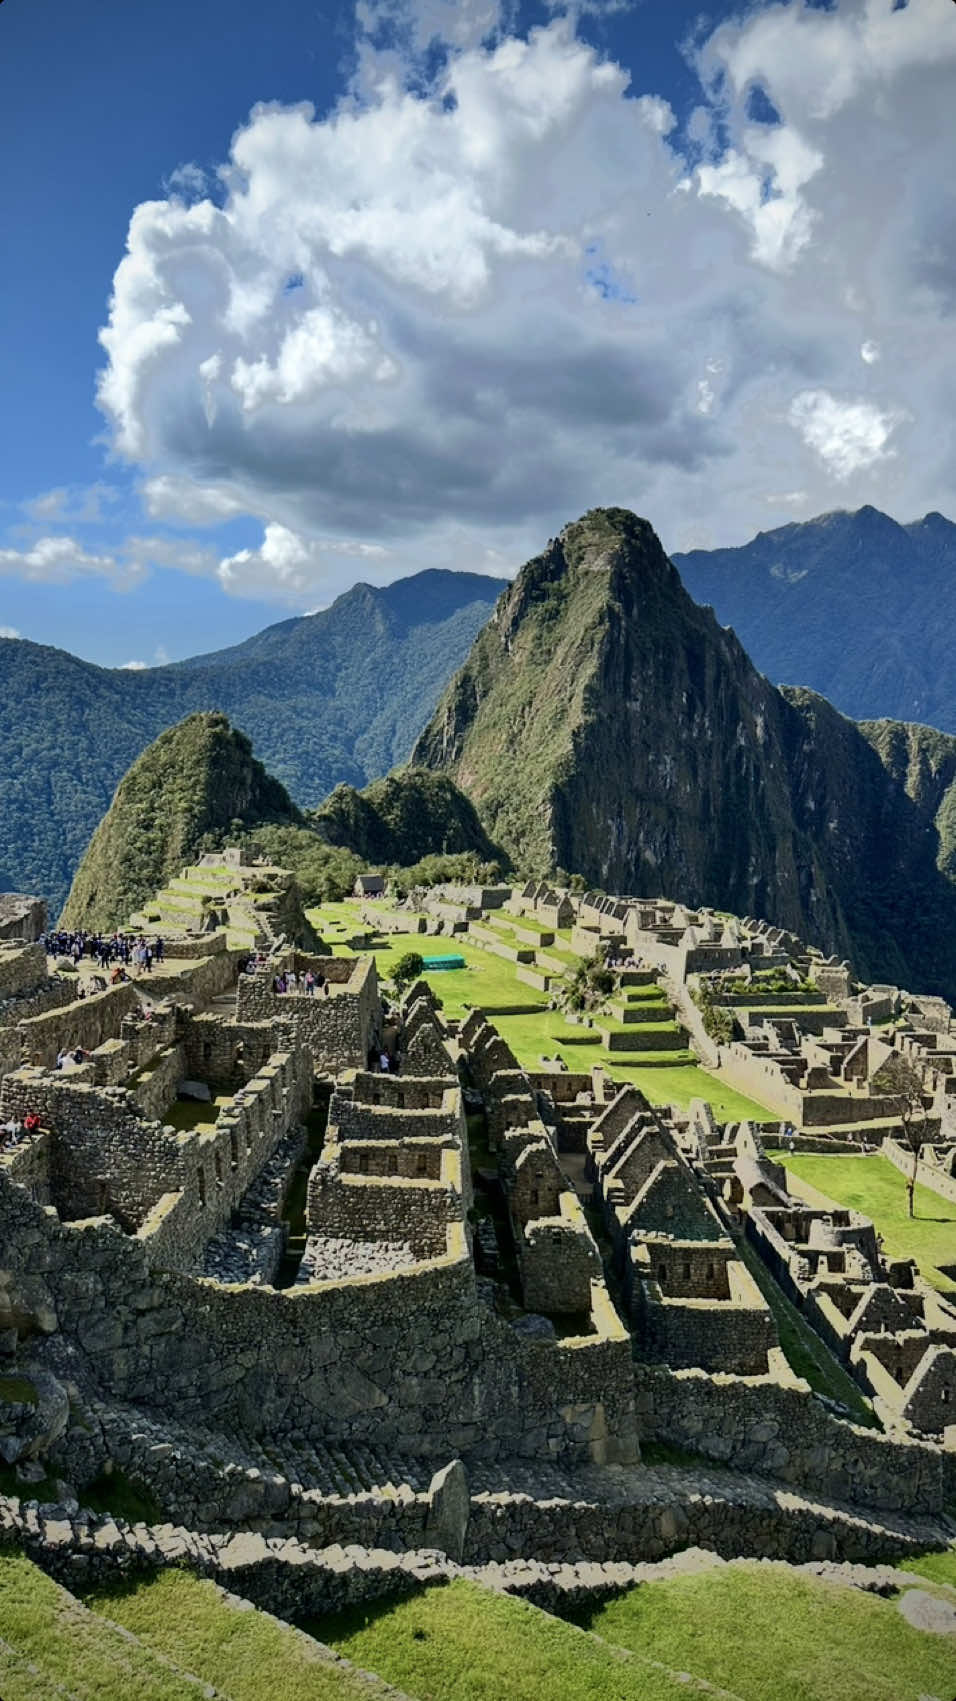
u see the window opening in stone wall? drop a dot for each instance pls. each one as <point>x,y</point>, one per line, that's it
<point>201,1178</point>
<point>233,1149</point>
<point>662,1274</point>
<point>421,1166</point>
<point>687,1272</point>
<point>391,1167</point>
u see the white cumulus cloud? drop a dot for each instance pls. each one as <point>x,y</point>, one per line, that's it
<point>9,632</point>
<point>290,567</point>
<point>447,316</point>
<point>60,560</point>
<point>847,436</point>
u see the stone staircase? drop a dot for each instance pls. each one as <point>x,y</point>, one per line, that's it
<point>358,1494</point>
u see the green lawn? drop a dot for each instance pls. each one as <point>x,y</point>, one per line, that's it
<point>548,1033</point>
<point>684,1083</point>
<point>770,1635</point>
<point>462,1643</point>
<point>875,1186</point>
<point>246,1655</point>
<point>69,1647</point>
<point>490,983</point>
<point>938,1567</point>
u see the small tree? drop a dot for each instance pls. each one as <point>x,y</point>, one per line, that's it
<point>903,1084</point>
<point>407,969</point>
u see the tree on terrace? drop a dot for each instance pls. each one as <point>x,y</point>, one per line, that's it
<point>902,1082</point>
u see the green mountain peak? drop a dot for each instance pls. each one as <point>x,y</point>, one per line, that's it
<point>606,724</point>
<point>197,781</point>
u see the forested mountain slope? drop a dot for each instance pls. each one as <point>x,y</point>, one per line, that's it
<point>329,697</point>
<point>850,604</point>
<point>198,780</point>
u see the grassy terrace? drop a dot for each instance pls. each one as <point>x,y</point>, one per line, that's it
<point>666,1075</point>
<point>760,1633</point>
<point>873,1185</point>
<point>246,1655</point>
<point>462,1643</point>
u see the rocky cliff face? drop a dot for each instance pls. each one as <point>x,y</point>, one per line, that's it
<point>199,780</point>
<point>606,724</point>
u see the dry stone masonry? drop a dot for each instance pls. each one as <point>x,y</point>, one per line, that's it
<point>355,1331</point>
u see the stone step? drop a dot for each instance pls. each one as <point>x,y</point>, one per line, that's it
<point>331,1472</point>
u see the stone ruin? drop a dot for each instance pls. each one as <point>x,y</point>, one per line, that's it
<point>333,1311</point>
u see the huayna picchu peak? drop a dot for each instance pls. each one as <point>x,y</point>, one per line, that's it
<point>606,724</point>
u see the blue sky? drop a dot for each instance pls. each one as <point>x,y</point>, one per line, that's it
<point>508,265</point>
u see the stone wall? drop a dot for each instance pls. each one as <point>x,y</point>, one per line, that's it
<point>28,1164</point>
<point>377,1107</point>
<point>154,1088</point>
<point>339,1029</point>
<point>710,1335</point>
<point>87,1023</point>
<point>758,1424</point>
<point>195,981</point>
<point>928,1175</point>
<point>23,966</point>
<point>21,917</point>
<point>226,1053</point>
<point>171,1191</point>
<point>295,1581</point>
<point>416,1362</point>
<point>388,1207</point>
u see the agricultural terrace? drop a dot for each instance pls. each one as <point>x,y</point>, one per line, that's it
<point>667,1072</point>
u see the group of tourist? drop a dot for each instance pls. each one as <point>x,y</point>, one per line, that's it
<point>117,950</point>
<point>14,1132</point>
<point>72,1057</point>
<point>310,983</point>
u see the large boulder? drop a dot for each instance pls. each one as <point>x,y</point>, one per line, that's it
<point>34,1412</point>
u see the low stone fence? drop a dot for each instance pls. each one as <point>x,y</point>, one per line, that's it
<point>928,1175</point>
<point>193,982</point>
<point>757,1424</point>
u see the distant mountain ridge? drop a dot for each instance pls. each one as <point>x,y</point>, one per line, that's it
<point>607,724</point>
<point>330,697</point>
<point>853,605</point>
